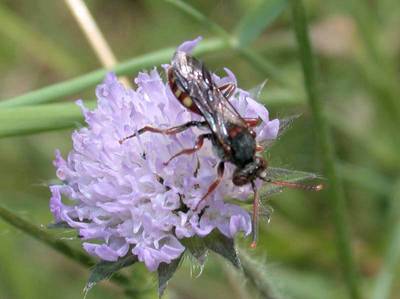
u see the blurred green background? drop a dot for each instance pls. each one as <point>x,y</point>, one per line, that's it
<point>357,46</point>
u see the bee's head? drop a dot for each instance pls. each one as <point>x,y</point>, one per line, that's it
<point>250,171</point>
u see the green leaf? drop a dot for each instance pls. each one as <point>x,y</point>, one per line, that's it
<point>165,273</point>
<point>224,246</point>
<point>104,270</point>
<point>257,19</point>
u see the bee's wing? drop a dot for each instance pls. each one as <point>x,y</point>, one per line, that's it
<point>209,99</point>
<point>287,175</point>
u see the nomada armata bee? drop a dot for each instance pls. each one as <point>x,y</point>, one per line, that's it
<point>232,135</point>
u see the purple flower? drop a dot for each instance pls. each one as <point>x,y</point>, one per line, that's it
<point>121,198</point>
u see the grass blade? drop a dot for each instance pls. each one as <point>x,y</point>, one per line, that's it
<point>24,120</point>
<point>387,274</point>
<point>257,19</point>
<point>199,17</point>
<point>391,259</point>
<point>336,193</point>
<point>61,90</point>
<point>34,119</point>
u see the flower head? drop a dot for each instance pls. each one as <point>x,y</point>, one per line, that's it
<point>122,198</point>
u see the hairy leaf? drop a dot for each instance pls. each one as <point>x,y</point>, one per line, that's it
<point>197,248</point>
<point>104,270</point>
<point>224,246</point>
<point>165,273</point>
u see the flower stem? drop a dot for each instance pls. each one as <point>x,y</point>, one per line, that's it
<point>336,193</point>
<point>257,277</point>
<point>93,34</point>
<point>58,245</point>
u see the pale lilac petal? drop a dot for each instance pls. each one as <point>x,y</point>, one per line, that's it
<point>189,45</point>
<point>56,205</point>
<point>269,130</point>
<point>102,251</point>
<point>230,78</point>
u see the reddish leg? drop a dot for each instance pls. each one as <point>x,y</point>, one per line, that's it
<point>188,151</point>
<point>253,122</point>
<point>256,207</point>
<point>168,131</point>
<point>214,185</point>
<point>227,90</point>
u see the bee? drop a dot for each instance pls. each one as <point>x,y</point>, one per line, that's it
<point>232,136</point>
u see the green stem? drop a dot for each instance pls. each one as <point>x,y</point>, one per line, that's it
<point>199,17</point>
<point>24,120</point>
<point>60,90</point>
<point>34,119</point>
<point>336,193</point>
<point>386,275</point>
<point>252,57</point>
<point>58,245</point>
<point>257,277</point>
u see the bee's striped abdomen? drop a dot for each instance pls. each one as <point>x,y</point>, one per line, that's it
<point>180,94</point>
